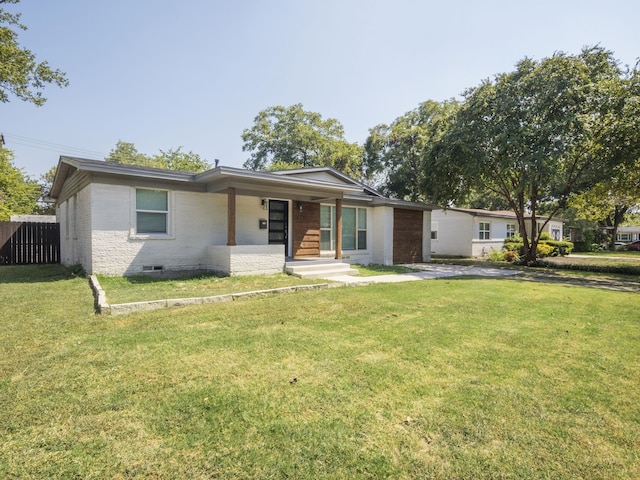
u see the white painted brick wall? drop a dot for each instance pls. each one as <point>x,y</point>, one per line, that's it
<point>246,259</point>
<point>75,240</point>
<point>382,241</point>
<point>197,220</point>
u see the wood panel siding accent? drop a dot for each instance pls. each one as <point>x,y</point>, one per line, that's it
<point>306,230</point>
<point>407,236</point>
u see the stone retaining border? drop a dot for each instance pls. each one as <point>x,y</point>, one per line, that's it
<point>104,308</point>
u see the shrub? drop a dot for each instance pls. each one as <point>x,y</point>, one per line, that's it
<point>496,256</point>
<point>511,256</point>
<point>544,250</point>
<point>544,236</point>
<point>582,247</point>
<point>560,247</point>
<point>617,269</point>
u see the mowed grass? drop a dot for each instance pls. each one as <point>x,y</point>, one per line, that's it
<point>470,378</point>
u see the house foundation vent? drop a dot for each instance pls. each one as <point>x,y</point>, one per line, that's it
<point>152,268</point>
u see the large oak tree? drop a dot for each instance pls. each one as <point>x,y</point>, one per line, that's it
<point>291,137</point>
<point>394,153</point>
<point>538,134</point>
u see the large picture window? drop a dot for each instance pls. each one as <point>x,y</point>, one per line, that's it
<point>152,211</point>
<point>354,228</point>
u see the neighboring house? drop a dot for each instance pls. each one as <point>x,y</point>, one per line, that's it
<point>124,220</point>
<point>628,234</point>
<point>469,232</point>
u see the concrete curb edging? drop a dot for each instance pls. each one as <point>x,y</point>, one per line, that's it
<point>104,308</point>
<point>99,296</point>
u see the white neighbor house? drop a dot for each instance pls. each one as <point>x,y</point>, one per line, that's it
<point>466,232</point>
<point>124,220</point>
<point>628,234</point>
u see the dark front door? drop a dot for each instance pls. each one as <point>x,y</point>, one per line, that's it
<point>279,223</point>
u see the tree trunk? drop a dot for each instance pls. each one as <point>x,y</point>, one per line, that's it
<point>619,212</point>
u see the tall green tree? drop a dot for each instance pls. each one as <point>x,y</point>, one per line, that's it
<point>293,136</point>
<point>395,152</point>
<point>18,193</point>
<point>20,73</point>
<point>172,159</point>
<point>611,200</point>
<point>538,134</point>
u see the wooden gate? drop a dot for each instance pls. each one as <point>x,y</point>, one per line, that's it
<point>24,243</point>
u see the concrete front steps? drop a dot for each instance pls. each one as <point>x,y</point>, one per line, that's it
<point>318,268</point>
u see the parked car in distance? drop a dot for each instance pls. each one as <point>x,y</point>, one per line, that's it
<point>633,246</point>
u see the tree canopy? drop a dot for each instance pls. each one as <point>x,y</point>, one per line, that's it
<point>20,74</point>
<point>18,194</point>
<point>291,136</point>
<point>538,134</point>
<point>610,201</point>
<point>172,159</point>
<point>395,152</point>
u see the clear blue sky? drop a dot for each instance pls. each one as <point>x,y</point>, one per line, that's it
<point>195,73</point>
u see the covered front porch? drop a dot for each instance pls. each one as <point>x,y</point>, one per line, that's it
<point>283,216</point>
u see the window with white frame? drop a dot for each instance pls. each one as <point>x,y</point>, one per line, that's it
<point>484,230</point>
<point>434,230</point>
<point>624,237</point>
<point>152,211</point>
<point>354,228</point>
<point>511,230</point>
<point>555,233</point>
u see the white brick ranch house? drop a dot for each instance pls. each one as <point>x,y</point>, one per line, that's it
<point>467,232</point>
<point>121,219</point>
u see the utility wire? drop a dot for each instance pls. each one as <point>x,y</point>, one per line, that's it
<point>10,138</point>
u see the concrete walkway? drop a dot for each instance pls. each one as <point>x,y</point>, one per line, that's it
<point>427,272</point>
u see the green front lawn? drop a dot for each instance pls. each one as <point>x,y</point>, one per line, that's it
<point>469,378</point>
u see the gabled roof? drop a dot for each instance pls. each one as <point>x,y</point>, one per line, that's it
<point>298,184</point>
<point>333,172</point>
<point>68,165</point>
<point>221,176</point>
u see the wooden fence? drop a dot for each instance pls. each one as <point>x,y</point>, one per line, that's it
<point>24,243</point>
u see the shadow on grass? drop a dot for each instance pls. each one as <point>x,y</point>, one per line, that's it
<point>618,285</point>
<point>151,279</point>
<point>37,273</point>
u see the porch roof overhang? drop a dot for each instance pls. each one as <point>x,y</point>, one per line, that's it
<point>264,184</point>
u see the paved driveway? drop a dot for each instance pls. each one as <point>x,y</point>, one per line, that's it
<point>428,271</point>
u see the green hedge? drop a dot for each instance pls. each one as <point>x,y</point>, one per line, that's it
<point>618,269</point>
<point>546,248</point>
